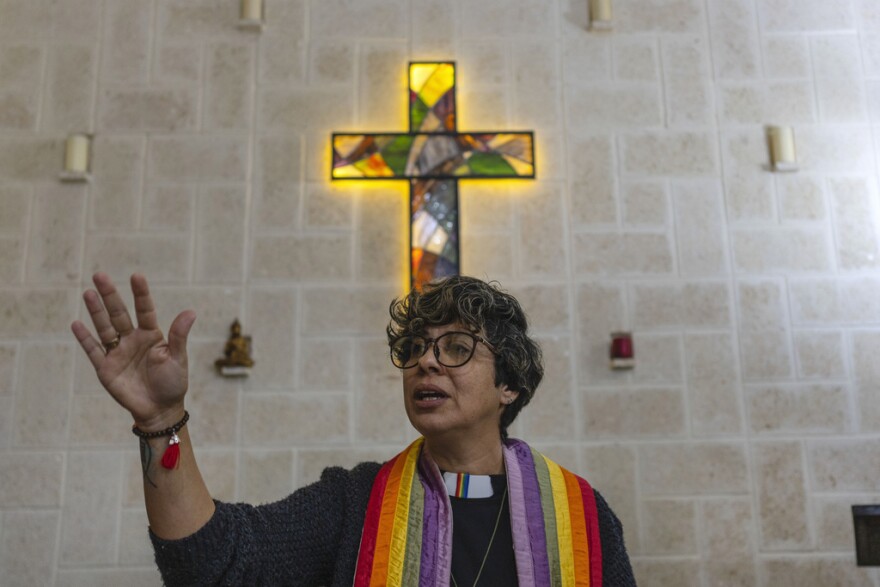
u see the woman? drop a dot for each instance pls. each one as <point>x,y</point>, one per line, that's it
<point>463,505</point>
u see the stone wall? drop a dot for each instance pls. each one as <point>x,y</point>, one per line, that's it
<point>732,452</point>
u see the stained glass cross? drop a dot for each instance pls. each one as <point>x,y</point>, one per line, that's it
<point>433,156</point>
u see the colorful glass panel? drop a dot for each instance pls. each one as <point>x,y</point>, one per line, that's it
<point>434,230</point>
<point>433,156</point>
<point>432,97</point>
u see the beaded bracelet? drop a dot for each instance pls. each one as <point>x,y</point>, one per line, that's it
<point>172,453</point>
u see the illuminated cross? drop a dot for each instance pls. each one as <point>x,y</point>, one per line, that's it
<point>433,156</point>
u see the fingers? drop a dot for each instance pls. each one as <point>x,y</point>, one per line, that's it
<point>178,333</point>
<point>144,309</point>
<point>94,351</point>
<point>115,306</point>
<point>100,318</point>
<point>112,320</point>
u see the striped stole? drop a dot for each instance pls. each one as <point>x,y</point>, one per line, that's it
<point>407,535</point>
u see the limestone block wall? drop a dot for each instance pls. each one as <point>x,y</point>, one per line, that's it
<point>733,451</point>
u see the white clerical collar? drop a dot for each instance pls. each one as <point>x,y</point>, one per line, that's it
<point>467,485</point>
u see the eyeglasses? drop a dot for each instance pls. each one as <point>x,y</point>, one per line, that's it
<point>451,349</point>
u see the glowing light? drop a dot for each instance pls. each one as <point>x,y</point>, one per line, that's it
<point>433,156</point>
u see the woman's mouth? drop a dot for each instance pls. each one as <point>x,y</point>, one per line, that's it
<point>429,395</point>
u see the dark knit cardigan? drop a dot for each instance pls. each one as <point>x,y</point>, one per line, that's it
<point>311,538</point>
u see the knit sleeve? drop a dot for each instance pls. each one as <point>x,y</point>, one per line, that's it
<point>294,541</point>
<point>616,568</point>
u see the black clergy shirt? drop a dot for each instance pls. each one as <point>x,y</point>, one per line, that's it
<point>473,520</point>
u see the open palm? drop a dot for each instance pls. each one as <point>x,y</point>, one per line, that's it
<point>146,374</point>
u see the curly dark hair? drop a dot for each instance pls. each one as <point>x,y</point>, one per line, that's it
<point>483,307</point>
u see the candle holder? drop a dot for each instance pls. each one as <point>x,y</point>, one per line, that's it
<point>621,351</point>
<point>252,15</point>
<point>77,158</point>
<point>600,15</point>
<point>782,148</point>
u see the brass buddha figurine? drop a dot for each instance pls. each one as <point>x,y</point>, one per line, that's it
<point>237,353</point>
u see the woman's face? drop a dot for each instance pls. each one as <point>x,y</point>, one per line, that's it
<point>463,400</point>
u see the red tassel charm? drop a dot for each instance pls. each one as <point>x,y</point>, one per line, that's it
<point>172,453</point>
<point>171,458</point>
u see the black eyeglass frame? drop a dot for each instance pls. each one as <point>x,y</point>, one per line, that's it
<point>433,341</point>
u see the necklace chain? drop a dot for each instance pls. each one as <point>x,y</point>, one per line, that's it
<point>488,548</point>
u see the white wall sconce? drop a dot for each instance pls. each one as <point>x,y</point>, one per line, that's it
<point>782,148</point>
<point>77,158</point>
<point>600,15</point>
<point>252,15</point>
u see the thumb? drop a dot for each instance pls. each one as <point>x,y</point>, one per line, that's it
<point>178,333</point>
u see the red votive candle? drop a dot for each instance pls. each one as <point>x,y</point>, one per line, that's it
<point>622,353</point>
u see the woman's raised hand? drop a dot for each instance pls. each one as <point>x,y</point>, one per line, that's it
<point>145,373</point>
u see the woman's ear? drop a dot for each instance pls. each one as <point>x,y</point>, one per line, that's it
<point>508,396</point>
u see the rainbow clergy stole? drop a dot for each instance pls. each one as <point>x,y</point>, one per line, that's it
<point>407,535</point>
